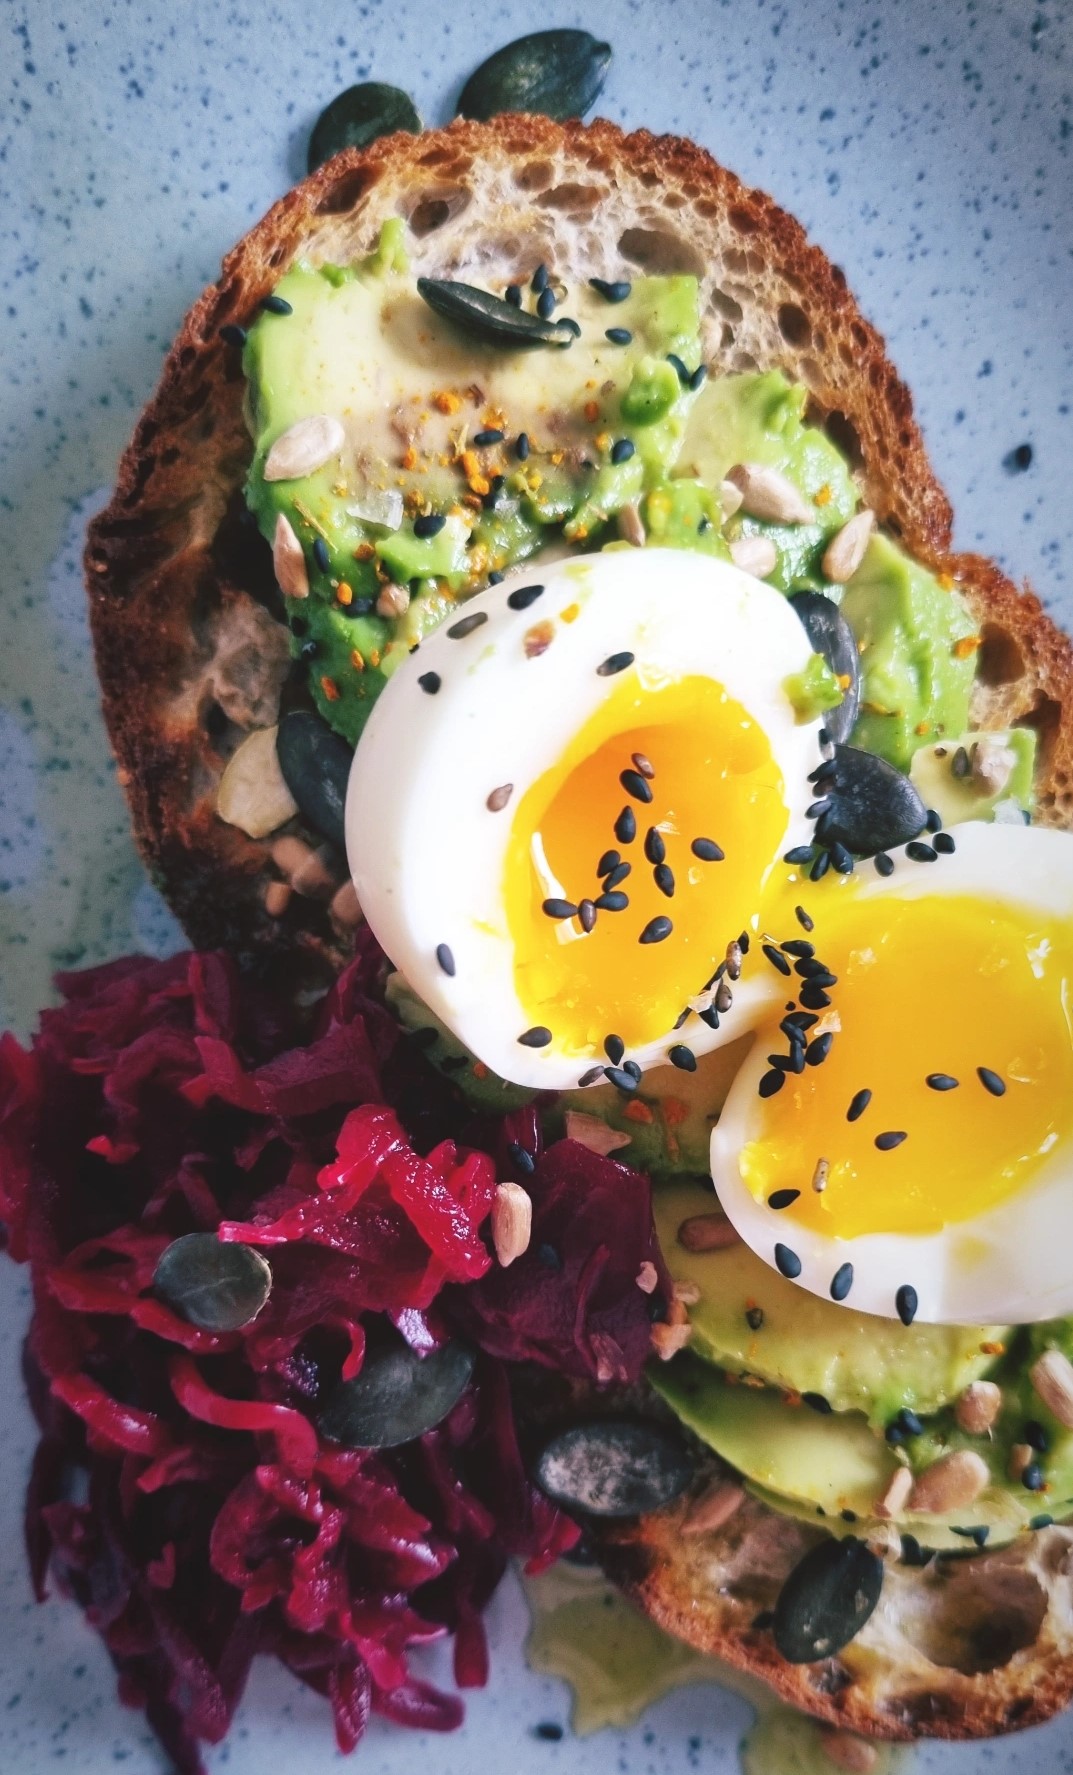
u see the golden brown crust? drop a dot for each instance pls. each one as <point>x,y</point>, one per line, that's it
<point>192,653</point>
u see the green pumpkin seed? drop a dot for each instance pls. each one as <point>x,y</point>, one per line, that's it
<point>613,1468</point>
<point>359,116</point>
<point>489,318</point>
<point>397,1396</point>
<point>214,1286</point>
<point>826,1600</point>
<point>556,73</point>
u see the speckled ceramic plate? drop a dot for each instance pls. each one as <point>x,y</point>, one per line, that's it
<point>929,148</point>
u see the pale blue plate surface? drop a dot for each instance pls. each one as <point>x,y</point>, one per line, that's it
<point>929,148</point>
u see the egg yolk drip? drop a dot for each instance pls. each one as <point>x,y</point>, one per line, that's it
<point>713,777</point>
<point>927,988</point>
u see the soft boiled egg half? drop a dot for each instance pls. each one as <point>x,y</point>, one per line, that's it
<point>570,800</point>
<point>916,1159</point>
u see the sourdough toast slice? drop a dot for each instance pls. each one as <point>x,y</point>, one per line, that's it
<point>192,653</point>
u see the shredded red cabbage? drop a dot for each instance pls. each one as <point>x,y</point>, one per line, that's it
<point>180,1491</point>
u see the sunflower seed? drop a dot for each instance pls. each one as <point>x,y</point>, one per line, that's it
<point>896,1496</point>
<point>591,1132</point>
<point>951,1483</point>
<point>614,1468</point>
<point>826,1600</point>
<point>359,116</point>
<point>631,526</point>
<point>551,73</point>
<point>713,1508</point>
<point>767,494</point>
<point>214,1286</point>
<point>304,447</point>
<point>488,317</point>
<point>397,1396</point>
<point>252,793</point>
<point>288,561</point>
<point>847,549</point>
<point>1052,1377</point>
<point>707,1232</point>
<point>754,554</point>
<point>512,1222</point>
<point>730,497</point>
<point>978,1407</point>
<point>393,601</point>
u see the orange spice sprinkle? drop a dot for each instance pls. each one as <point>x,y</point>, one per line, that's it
<point>922,727</point>
<point>966,646</point>
<point>946,580</point>
<point>409,457</point>
<point>446,401</point>
<point>364,551</point>
<point>591,410</point>
<point>374,657</point>
<point>480,1071</point>
<point>557,456</point>
<point>330,689</point>
<point>357,660</point>
<point>602,440</point>
<point>992,1349</point>
<point>635,1111</point>
<point>344,593</point>
<point>824,496</point>
<point>844,680</point>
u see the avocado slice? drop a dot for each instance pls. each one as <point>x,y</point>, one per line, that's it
<point>957,798</point>
<point>806,1344</point>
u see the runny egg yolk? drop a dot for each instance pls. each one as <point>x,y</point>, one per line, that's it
<point>714,776</point>
<point>938,987</point>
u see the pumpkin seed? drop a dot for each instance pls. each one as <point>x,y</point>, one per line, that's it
<point>556,73</point>
<point>359,116</point>
<point>832,638</point>
<point>613,1468</point>
<point>315,762</point>
<point>488,317</point>
<point>214,1286</point>
<point>398,1395</point>
<point>873,807</point>
<point>826,1600</point>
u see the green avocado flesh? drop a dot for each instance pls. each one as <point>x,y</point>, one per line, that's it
<point>413,393</point>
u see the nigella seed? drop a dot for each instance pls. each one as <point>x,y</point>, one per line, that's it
<point>609,861</point>
<point>590,1077</point>
<point>801,853</point>
<point>663,875</point>
<point>920,853</point>
<point>637,786</point>
<point>622,449</point>
<point>820,866</point>
<point>991,1081</point>
<point>626,826</point>
<point>459,630</point>
<point>655,849</point>
<point>933,821</point>
<point>614,1048</point>
<point>523,597</point>
<point>586,915</point>
<point>611,292</point>
<point>613,902</point>
<point>776,958</point>
<point>521,446</point>
<point>513,295</point>
<point>537,1037</point>
<point>906,1303</point>
<point>782,1198</point>
<point>320,554</point>
<point>656,930</point>
<point>546,304</point>
<point>445,959</point>
<point>817,1051</point>
<point>232,335</point>
<point>621,1079</point>
<point>538,283</point>
<point>882,864</point>
<point>615,663</point>
<point>941,1081</point>
<point>944,844</point>
<point>618,335</point>
<point>559,908</point>
<point>858,1105</point>
<point>616,876</point>
<point>430,682</point>
<point>682,1057</point>
<point>893,1137</point>
<point>491,436</point>
<point>707,850</point>
<point>771,1083</point>
<point>787,1262</point>
<point>842,1281</point>
<point>429,525</point>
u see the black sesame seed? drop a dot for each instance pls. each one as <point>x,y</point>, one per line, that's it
<point>622,449</point>
<point>787,1262</point>
<point>232,335</point>
<point>616,876</point>
<point>538,283</point>
<point>495,579</point>
<point>894,1434</point>
<point>423,1038</point>
<point>655,848</point>
<point>615,663</point>
<point>1041,1521</point>
<point>882,864</point>
<point>841,858</point>
<point>609,861</point>
<point>521,446</point>
<point>611,292</point>
<point>682,1057</point>
<point>797,946</point>
<point>782,1198</point>
<point>537,1037</point>
<point>618,335</point>
<point>320,554</point>
<point>991,1081</point>
<point>679,367</point>
<point>893,1137</point>
<point>792,1062</point>
<point>309,650</point>
<point>817,1051</point>
<point>522,1158</point>
<point>590,1077</point>
<point>549,1257</point>
<point>820,866</point>
<point>941,1081</point>
<point>801,1019</point>
<point>559,908</point>
<point>276,305</point>
<point>842,1281</point>
<point>1032,1477</point>
<point>546,304</point>
<point>801,853</point>
<point>429,525</point>
<point>614,1048</point>
<point>771,1083</point>
<point>513,295</point>
<point>933,821</point>
<point>656,930</point>
<point>813,997</point>
<point>430,682</point>
<point>754,1317</point>
<point>636,785</point>
<point>906,1303</point>
<point>445,958</point>
<point>633,1069</point>
<point>909,1422</point>
<point>612,902</point>
<point>776,958</point>
<point>698,377</point>
<point>459,630</point>
<point>663,876</point>
<point>586,915</point>
<point>817,1402</point>
<point>1036,1436</point>
<point>626,826</point>
<point>920,852</point>
<point>913,1554</point>
<point>944,844</point>
<point>707,850</point>
<point>620,1078</point>
<point>816,808</point>
<point>710,1017</point>
<point>453,1062</point>
<point>858,1105</point>
<point>491,436</point>
<point>743,942</point>
<point>523,597</point>
<point>808,966</point>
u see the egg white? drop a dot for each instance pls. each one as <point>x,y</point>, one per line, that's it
<point>1013,1263</point>
<point>426,854</point>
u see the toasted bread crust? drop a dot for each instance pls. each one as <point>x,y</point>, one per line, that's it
<point>192,652</point>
